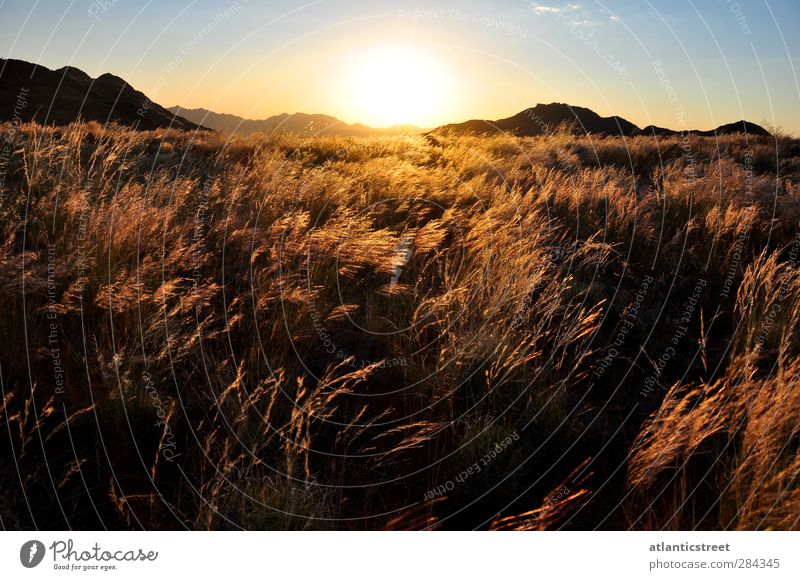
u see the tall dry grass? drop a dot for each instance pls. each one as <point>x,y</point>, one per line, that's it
<point>294,333</point>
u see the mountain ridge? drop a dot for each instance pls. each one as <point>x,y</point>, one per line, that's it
<point>67,94</point>
<point>302,123</point>
<point>546,118</point>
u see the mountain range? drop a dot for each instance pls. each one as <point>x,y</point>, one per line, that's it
<point>56,97</point>
<point>543,119</point>
<point>305,123</point>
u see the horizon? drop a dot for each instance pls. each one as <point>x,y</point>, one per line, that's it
<point>356,123</point>
<point>510,114</point>
<point>659,64</point>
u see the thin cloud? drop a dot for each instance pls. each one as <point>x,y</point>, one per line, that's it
<point>611,16</point>
<point>576,13</point>
<point>544,9</point>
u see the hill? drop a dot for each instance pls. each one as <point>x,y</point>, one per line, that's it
<point>544,119</point>
<point>31,92</point>
<point>738,127</point>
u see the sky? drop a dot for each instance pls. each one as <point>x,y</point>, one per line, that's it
<point>674,63</point>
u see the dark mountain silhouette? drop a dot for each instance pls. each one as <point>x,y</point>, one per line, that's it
<point>658,131</point>
<point>729,129</point>
<point>304,123</point>
<point>58,97</point>
<point>545,119</point>
<point>737,127</point>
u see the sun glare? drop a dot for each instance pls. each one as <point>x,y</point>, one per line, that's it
<point>394,85</point>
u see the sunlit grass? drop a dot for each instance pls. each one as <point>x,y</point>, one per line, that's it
<point>243,345</point>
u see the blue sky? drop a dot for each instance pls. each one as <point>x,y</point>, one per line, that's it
<point>691,64</point>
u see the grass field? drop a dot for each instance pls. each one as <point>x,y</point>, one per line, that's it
<point>286,332</point>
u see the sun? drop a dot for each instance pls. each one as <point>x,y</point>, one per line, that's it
<point>397,85</point>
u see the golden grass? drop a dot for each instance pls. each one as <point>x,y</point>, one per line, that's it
<point>242,344</point>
